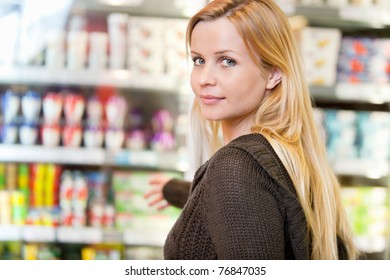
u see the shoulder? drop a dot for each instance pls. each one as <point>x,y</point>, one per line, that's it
<point>236,161</point>
<point>236,168</point>
<point>258,147</point>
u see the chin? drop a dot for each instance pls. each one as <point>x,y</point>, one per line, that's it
<point>211,118</point>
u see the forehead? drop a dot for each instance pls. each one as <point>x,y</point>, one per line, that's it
<point>216,35</point>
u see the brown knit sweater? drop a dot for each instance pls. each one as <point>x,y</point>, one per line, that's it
<point>241,205</point>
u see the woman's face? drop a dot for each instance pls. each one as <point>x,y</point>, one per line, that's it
<point>227,83</point>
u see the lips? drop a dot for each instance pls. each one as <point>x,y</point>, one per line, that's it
<point>210,99</point>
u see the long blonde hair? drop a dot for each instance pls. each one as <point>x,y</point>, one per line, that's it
<point>284,117</point>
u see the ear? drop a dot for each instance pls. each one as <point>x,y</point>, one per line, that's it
<point>274,78</point>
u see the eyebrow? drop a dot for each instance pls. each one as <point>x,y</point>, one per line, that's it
<point>218,52</point>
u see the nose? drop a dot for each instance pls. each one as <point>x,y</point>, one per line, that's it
<point>207,75</point>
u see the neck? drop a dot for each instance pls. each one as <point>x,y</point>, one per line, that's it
<point>234,129</point>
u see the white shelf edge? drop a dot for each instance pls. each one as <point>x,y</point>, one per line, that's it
<point>64,155</point>
<point>374,169</point>
<point>32,233</point>
<point>86,77</point>
<point>148,158</point>
<point>93,156</point>
<point>10,232</point>
<point>82,235</point>
<point>371,92</point>
<point>372,15</point>
<point>143,237</point>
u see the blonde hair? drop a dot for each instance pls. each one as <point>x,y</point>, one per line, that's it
<point>285,118</point>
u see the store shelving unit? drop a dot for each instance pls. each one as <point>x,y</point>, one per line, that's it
<point>80,235</point>
<point>145,87</point>
<point>371,96</point>
<point>361,96</point>
<point>170,160</point>
<point>123,79</point>
<point>348,17</point>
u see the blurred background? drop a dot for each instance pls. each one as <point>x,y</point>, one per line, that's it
<point>95,100</point>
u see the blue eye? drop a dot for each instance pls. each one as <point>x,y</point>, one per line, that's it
<point>228,62</point>
<point>198,61</point>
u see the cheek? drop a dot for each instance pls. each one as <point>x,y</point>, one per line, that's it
<point>193,80</point>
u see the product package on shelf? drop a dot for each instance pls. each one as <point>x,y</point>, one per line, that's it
<point>341,131</point>
<point>9,26</point>
<point>146,45</point>
<point>355,134</point>
<point>36,251</point>
<point>102,252</point>
<point>177,64</point>
<point>364,60</point>
<point>143,253</point>
<point>35,25</point>
<point>85,199</point>
<point>320,48</point>
<point>11,250</point>
<point>374,135</point>
<point>366,207</point>
<point>132,209</point>
<point>30,194</point>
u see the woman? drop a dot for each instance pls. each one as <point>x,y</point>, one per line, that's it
<point>267,191</point>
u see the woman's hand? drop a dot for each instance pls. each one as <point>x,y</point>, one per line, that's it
<point>155,194</point>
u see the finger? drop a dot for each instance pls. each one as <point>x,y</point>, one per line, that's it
<point>156,200</point>
<point>163,206</point>
<point>158,179</point>
<point>151,192</point>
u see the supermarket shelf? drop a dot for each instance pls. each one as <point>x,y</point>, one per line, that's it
<point>86,77</point>
<point>170,8</point>
<point>370,92</point>
<point>341,17</point>
<point>27,233</point>
<point>57,155</point>
<point>363,92</point>
<point>374,169</point>
<point>149,159</point>
<point>133,237</point>
<point>96,156</point>
<point>80,235</point>
<point>142,237</point>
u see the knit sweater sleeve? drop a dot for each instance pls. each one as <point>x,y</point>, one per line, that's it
<point>241,215</point>
<point>176,192</point>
